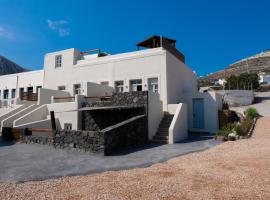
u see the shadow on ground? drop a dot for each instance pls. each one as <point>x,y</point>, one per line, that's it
<point>193,137</point>
<point>5,143</point>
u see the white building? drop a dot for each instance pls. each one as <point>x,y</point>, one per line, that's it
<point>159,68</point>
<point>264,78</point>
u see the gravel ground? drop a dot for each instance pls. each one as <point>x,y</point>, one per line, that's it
<point>232,170</point>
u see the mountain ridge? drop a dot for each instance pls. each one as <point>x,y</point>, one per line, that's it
<point>253,64</point>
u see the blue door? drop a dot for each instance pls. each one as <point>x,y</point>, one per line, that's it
<point>198,114</point>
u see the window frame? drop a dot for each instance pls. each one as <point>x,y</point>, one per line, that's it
<point>13,93</point>
<point>116,87</point>
<point>156,90</point>
<point>58,61</point>
<point>77,89</point>
<point>6,94</point>
<point>137,84</point>
<point>105,83</point>
<point>61,86</point>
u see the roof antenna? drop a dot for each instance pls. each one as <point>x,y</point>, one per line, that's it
<point>161,45</point>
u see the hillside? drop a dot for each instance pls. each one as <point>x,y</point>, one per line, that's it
<point>9,67</point>
<point>253,64</point>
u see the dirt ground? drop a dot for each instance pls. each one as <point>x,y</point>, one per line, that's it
<point>232,170</point>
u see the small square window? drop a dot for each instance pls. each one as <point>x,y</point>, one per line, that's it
<point>62,87</point>
<point>153,84</point>
<point>77,89</point>
<point>67,126</point>
<point>105,83</point>
<point>58,61</point>
<point>6,94</point>
<point>13,93</point>
<point>136,85</point>
<point>119,86</point>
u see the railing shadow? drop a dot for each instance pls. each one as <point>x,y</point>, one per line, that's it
<point>4,143</point>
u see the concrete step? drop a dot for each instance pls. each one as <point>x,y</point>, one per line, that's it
<point>160,141</point>
<point>161,137</point>
<point>163,129</point>
<point>162,133</point>
<point>165,133</point>
<point>165,122</point>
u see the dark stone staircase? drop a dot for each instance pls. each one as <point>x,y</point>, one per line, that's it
<point>162,135</point>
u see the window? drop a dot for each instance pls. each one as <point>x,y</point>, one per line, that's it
<point>77,89</point>
<point>6,94</point>
<point>58,61</point>
<point>21,91</point>
<point>30,89</point>
<point>119,86</point>
<point>38,87</point>
<point>67,126</point>
<point>153,84</point>
<point>62,87</point>
<point>136,85</point>
<point>13,93</point>
<point>105,83</point>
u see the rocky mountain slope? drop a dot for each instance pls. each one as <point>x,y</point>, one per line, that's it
<point>9,67</point>
<point>253,64</point>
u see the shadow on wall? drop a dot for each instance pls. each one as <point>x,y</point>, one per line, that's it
<point>94,120</point>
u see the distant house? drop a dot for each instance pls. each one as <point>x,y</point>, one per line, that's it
<point>264,78</point>
<point>70,76</point>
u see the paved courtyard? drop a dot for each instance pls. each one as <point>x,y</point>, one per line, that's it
<point>24,162</point>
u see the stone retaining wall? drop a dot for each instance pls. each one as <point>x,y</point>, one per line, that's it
<point>37,139</point>
<point>128,99</point>
<point>95,120</point>
<point>130,132</point>
<point>82,140</point>
<point>237,97</point>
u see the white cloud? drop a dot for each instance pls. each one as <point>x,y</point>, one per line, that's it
<point>4,33</point>
<point>59,27</point>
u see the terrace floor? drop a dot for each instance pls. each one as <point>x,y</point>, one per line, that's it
<point>24,162</point>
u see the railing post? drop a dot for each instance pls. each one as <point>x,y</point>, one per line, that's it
<point>53,120</point>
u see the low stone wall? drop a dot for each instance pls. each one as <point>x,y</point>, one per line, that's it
<point>128,99</point>
<point>37,139</point>
<point>82,140</point>
<point>238,97</point>
<point>131,132</point>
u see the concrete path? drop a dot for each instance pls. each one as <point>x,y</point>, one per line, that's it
<point>24,162</point>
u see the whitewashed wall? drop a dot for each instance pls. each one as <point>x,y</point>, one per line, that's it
<point>155,113</point>
<point>180,79</point>
<point>21,80</point>
<point>127,66</point>
<point>178,129</point>
<point>45,95</point>
<point>211,107</point>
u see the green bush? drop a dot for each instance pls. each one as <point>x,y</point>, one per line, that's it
<point>243,128</point>
<point>251,113</point>
<point>226,130</point>
<point>225,106</point>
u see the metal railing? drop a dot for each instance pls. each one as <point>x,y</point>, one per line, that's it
<point>64,99</point>
<point>25,96</point>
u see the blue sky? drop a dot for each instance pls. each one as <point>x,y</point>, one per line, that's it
<point>212,34</point>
